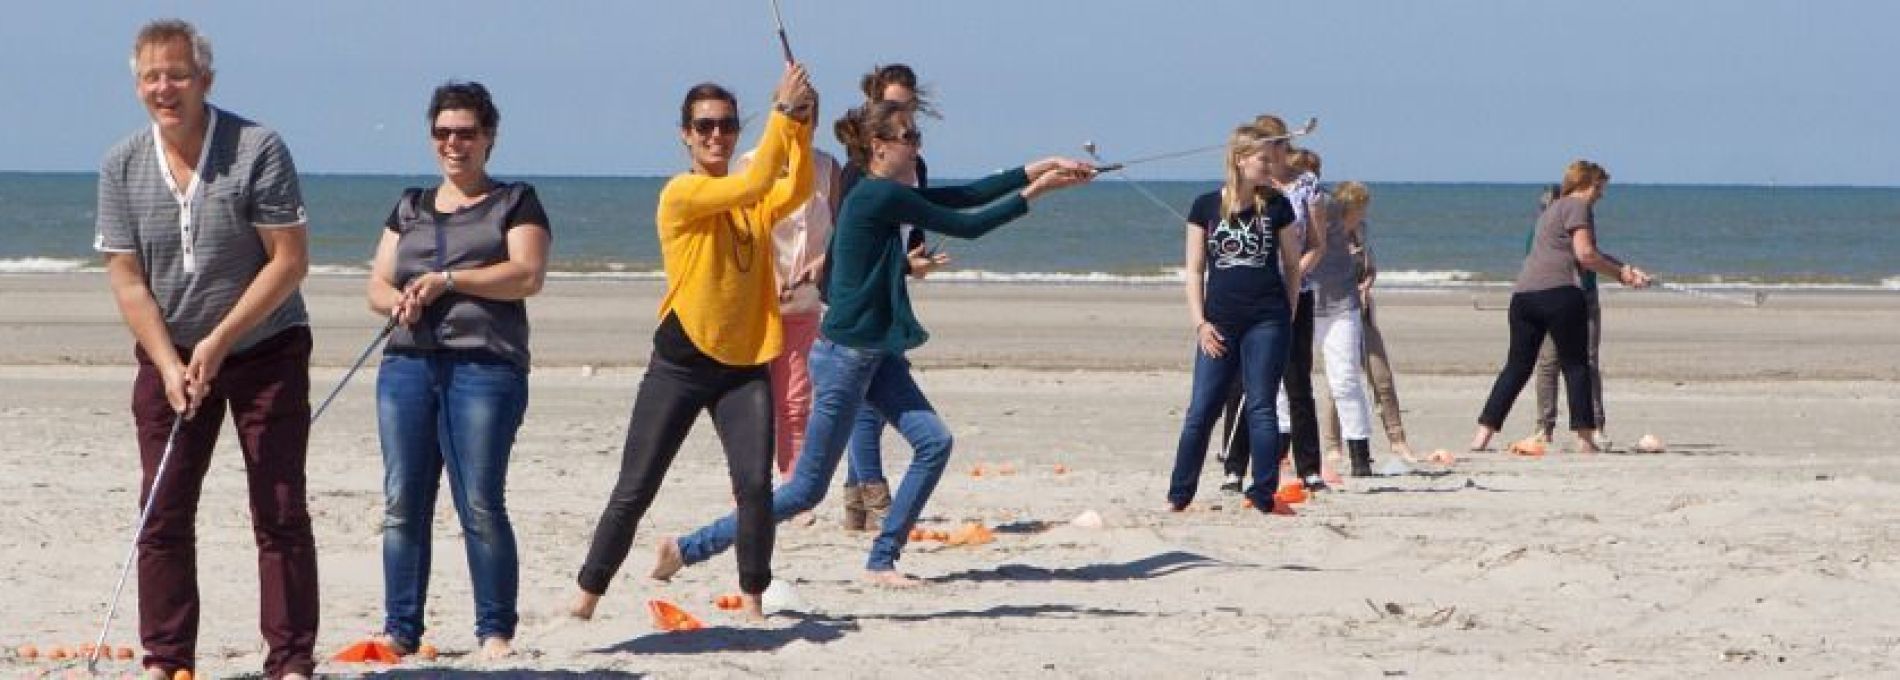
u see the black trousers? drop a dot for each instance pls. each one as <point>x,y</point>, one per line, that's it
<point>1298,381</point>
<point>1564,315</point>
<point>679,384</point>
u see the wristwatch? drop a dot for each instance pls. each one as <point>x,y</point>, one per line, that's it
<point>448,280</point>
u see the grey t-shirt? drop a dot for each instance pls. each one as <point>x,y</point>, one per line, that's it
<point>472,237</point>
<point>1336,278</point>
<point>1552,263</point>
<point>198,267</point>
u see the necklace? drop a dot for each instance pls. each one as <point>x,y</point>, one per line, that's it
<point>742,246</point>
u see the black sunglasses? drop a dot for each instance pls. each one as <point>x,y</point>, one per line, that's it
<point>728,125</point>
<point>443,134</point>
<point>911,137</point>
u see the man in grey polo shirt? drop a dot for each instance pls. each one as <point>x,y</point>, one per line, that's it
<point>201,222</point>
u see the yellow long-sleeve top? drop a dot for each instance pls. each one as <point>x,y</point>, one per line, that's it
<point>716,239</point>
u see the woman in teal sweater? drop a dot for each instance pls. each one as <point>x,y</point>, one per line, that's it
<point>859,358</point>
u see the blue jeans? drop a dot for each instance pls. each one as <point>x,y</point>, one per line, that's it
<point>864,459</point>
<point>1257,354</point>
<point>844,380</point>
<point>459,411</point>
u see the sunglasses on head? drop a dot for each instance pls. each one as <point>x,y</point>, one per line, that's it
<point>443,134</point>
<point>705,126</point>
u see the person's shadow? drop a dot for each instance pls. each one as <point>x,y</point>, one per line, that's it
<point>809,628</point>
<point>1153,566</point>
<point>510,673</point>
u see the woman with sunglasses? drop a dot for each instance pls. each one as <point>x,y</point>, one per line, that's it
<point>859,357</point>
<point>719,326</point>
<point>452,270</point>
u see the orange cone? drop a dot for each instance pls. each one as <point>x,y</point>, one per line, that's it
<point>368,651</point>
<point>670,618</point>
<point>1529,448</point>
<point>1291,494</point>
<point>427,652</point>
<point>973,533</point>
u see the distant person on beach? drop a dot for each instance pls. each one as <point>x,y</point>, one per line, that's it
<point>1547,364</point>
<point>1353,200</point>
<point>867,495</point>
<point>1548,299</point>
<point>1337,315</point>
<point>453,267</point>
<point>1242,277</point>
<point>201,221</point>
<point>859,358</point>
<point>1298,422</point>
<point>719,326</point>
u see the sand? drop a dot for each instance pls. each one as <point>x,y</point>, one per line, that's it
<point>1760,543</point>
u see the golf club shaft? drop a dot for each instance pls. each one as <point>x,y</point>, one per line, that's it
<point>380,335</point>
<point>1698,293</point>
<point>145,514</point>
<point>784,44</point>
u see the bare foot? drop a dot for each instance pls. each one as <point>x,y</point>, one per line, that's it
<point>890,579</point>
<point>295,676</point>
<point>1335,455</point>
<point>155,674</point>
<point>1404,450</point>
<point>1586,442</point>
<point>667,559</point>
<point>388,641</point>
<point>804,519</point>
<point>1482,439</point>
<point>496,649</point>
<point>583,606</point>
<point>751,608</point>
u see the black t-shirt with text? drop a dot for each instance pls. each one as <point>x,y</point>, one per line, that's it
<point>1243,282</point>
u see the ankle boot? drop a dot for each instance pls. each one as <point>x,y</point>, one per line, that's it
<point>853,507</point>
<point>1361,452</point>
<point>877,504</point>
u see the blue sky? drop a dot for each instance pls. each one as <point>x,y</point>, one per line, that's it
<point>1743,91</point>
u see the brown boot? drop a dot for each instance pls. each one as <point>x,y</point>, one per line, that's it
<point>877,504</point>
<point>853,507</point>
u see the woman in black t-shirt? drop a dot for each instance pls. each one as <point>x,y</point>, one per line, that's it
<point>1239,300</point>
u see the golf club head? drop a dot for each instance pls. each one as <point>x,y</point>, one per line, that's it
<point>1108,167</point>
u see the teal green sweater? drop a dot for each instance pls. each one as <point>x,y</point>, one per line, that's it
<point>870,305</point>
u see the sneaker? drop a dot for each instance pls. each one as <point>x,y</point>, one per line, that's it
<point>1315,483</point>
<point>1230,483</point>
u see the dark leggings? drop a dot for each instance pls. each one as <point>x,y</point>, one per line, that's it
<point>1563,313</point>
<point>1298,381</point>
<point>679,384</point>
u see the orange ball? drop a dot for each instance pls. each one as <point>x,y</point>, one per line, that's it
<point>426,652</point>
<point>28,652</point>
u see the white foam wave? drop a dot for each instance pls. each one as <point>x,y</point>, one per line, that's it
<point>1890,283</point>
<point>46,265</point>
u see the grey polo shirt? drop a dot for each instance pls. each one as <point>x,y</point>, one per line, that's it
<point>199,244</point>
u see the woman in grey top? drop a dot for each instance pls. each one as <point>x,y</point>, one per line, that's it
<point>452,270</point>
<point>1548,299</point>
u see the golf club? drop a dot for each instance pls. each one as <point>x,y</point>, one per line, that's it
<point>783,44</point>
<point>1756,301</point>
<point>1130,181</point>
<point>1307,129</point>
<point>151,500</point>
<point>378,340</point>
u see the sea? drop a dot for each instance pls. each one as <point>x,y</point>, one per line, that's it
<point>1120,231</point>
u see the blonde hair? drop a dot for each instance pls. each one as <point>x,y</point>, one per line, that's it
<point>1583,174</point>
<point>1350,194</point>
<point>1246,140</point>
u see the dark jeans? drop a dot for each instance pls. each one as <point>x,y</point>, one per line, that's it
<point>1548,367</point>
<point>672,394</point>
<point>1298,381</point>
<point>267,390</point>
<point>1563,314</point>
<point>457,411</point>
<point>1256,354</point>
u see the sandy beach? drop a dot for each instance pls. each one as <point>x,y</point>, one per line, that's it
<point>1761,543</point>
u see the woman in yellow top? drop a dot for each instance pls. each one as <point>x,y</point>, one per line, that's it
<point>719,325</point>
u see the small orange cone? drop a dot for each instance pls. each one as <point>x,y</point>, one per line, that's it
<point>1443,457</point>
<point>976,471</point>
<point>1530,447</point>
<point>368,651</point>
<point>427,652</point>
<point>670,618</point>
<point>1060,469</point>
<point>28,652</point>
<point>1291,494</point>
<point>973,533</point>
<point>729,602</point>
<point>125,654</point>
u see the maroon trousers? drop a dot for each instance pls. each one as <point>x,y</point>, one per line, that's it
<point>267,390</point>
